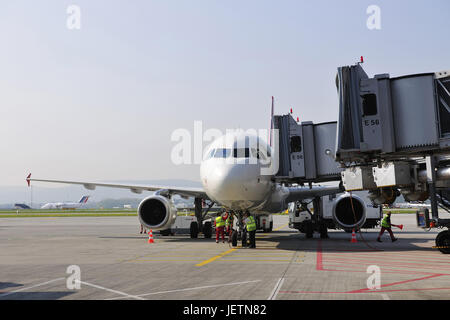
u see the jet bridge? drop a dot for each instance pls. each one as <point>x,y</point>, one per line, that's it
<point>393,137</point>
<point>306,151</point>
<point>392,117</point>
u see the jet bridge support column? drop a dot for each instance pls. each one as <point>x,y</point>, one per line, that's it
<point>431,180</point>
<point>318,218</point>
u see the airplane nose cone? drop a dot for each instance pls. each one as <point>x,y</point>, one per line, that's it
<point>236,185</point>
<point>232,183</point>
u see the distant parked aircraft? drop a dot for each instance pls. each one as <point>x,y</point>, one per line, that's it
<point>21,206</point>
<point>66,205</point>
<point>408,205</point>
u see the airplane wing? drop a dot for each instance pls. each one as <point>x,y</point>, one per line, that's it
<point>163,190</point>
<point>300,193</point>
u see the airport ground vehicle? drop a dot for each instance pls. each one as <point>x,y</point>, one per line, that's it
<point>264,223</point>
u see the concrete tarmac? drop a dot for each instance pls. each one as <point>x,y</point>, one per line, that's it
<point>116,262</point>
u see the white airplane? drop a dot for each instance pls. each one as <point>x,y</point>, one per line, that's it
<point>66,205</point>
<point>232,176</point>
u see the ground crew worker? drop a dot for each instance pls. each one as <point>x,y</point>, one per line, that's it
<point>220,225</point>
<point>225,216</point>
<point>229,225</point>
<point>386,225</point>
<point>143,229</point>
<point>250,227</point>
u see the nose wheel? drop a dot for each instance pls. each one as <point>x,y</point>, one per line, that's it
<point>193,230</point>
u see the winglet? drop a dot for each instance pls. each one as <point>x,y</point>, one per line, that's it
<point>28,179</point>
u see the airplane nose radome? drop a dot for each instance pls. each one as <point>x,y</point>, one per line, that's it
<point>234,183</point>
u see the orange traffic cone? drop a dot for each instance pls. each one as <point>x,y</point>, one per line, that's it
<point>353,236</point>
<point>150,236</point>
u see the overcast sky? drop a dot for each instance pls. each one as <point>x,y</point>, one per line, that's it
<point>101,103</point>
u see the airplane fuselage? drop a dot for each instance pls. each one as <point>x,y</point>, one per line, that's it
<point>232,172</point>
<point>61,205</point>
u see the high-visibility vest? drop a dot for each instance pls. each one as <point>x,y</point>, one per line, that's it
<point>220,222</point>
<point>251,223</point>
<point>229,221</point>
<point>385,223</point>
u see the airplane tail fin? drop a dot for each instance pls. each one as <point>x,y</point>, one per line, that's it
<point>84,199</point>
<point>28,179</point>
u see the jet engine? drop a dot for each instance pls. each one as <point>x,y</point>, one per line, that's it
<point>349,211</point>
<point>157,212</point>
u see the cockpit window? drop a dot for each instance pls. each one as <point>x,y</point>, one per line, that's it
<point>210,154</point>
<point>222,153</point>
<point>241,153</point>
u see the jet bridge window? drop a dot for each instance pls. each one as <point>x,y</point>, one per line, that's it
<point>369,104</point>
<point>296,144</point>
<point>241,152</point>
<point>443,90</point>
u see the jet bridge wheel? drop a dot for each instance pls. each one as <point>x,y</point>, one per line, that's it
<point>193,230</point>
<point>309,230</point>
<point>207,230</point>
<point>443,241</point>
<point>323,231</point>
<point>166,232</point>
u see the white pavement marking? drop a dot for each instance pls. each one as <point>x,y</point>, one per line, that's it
<point>28,288</point>
<point>385,297</point>
<point>188,289</point>
<point>276,289</point>
<point>111,290</point>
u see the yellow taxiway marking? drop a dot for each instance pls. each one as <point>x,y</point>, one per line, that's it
<point>279,228</point>
<point>167,260</point>
<point>252,256</point>
<point>224,260</point>
<point>177,256</point>
<point>215,258</point>
<point>272,248</point>
<point>266,235</point>
<point>259,260</point>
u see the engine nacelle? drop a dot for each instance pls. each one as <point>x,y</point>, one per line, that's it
<point>349,211</point>
<point>157,212</point>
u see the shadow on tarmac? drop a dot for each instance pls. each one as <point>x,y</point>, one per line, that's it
<point>337,241</point>
<point>4,285</point>
<point>53,295</point>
